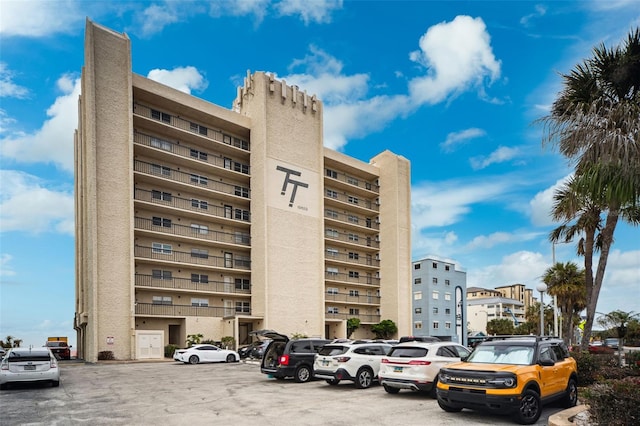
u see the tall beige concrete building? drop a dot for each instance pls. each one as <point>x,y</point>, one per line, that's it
<point>196,219</point>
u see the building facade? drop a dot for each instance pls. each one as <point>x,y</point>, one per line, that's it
<point>439,299</point>
<point>481,310</point>
<point>196,219</point>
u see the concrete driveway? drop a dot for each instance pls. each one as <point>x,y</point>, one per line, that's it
<point>169,393</point>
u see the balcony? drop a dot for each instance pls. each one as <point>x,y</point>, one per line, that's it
<point>351,200</point>
<point>199,206</point>
<point>352,219</point>
<point>241,238</point>
<point>352,259</point>
<point>191,179</point>
<point>188,285</point>
<point>152,309</point>
<point>190,153</point>
<point>351,238</point>
<point>352,279</point>
<point>189,126</point>
<point>169,256</point>
<point>371,319</point>
<point>351,180</point>
<point>348,298</point>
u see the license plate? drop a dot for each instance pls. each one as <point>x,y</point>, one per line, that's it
<point>397,369</point>
<point>29,367</point>
<point>325,363</point>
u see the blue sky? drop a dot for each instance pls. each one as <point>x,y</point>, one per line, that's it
<point>453,86</point>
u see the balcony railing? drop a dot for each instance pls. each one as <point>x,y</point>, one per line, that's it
<point>351,278</point>
<point>352,200</point>
<point>189,126</point>
<point>351,180</point>
<point>200,206</point>
<point>362,317</point>
<point>187,310</point>
<point>356,259</point>
<point>353,238</point>
<point>200,233</point>
<point>187,284</point>
<point>197,258</point>
<point>190,152</point>
<point>344,297</point>
<point>352,219</point>
<point>192,179</point>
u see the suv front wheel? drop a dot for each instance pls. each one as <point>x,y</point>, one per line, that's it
<point>364,378</point>
<point>530,408</point>
<point>303,374</point>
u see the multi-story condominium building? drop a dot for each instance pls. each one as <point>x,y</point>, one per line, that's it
<point>518,292</point>
<point>481,310</point>
<point>196,219</point>
<point>439,300</point>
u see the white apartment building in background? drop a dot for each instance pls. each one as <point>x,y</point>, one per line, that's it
<point>484,305</point>
<point>439,299</point>
<point>196,219</point>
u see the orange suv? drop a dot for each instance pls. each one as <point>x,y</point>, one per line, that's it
<point>511,374</point>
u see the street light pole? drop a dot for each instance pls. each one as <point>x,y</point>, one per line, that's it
<point>555,296</point>
<point>542,287</point>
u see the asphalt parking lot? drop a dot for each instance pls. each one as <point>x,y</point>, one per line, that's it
<point>170,393</point>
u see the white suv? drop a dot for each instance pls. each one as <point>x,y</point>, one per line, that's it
<point>357,362</point>
<point>415,365</point>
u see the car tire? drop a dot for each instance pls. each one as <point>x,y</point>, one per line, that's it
<point>231,358</point>
<point>390,389</point>
<point>55,383</point>
<point>571,394</point>
<point>449,408</point>
<point>433,392</point>
<point>302,374</point>
<point>364,378</point>
<point>529,409</point>
<point>193,359</point>
<point>333,382</point>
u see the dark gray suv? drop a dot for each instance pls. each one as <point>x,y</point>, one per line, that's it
<point>289,358</point>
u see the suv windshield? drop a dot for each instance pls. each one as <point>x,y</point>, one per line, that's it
<point>502,354</point>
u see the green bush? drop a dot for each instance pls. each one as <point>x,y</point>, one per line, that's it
<point>633,359</point>
<point>590,366</point>
<point>615,402</point>
<point>105,356</point>
<point>228,342</point>
<point>169,350</point>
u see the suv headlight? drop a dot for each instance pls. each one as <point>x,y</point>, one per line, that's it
<point>444,377</point>
<point>503,382</point>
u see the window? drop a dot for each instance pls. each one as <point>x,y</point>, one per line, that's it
<point>197,128</point>
<point>199,302</point>
<point>434,280</point>
<point>242,168</point>
<point>198,155</point>
<point>447,296</point>
<point>160,116</point>
<point>241,191</point>
<point>447,311</point>
<point>436,324</point>
<point>331,214</point>
<point>333,233</point>
<point>352,180</point>
<point>417,325</point>
<point>354,274</point>
<point>352,218</point>
<point>435,295</point>
<point>161,221</point>
<point>240,214</point>
<point>447,282</point>
<point>161,300</point>
<point>332,252</point>
<point>200,253</point>
<point>354,256</point>
<point>417,295</point>
<point>242,284</point>
<point>200,278</point>
<point>353,237</point>
<point>332,173</point>
<point>242,238</point>
<point>416,266</point>
<point>332,271</point>
<point>158,195</point>
<point>159,274</point>
<point>417,281</point>
<point>435,310</point>
<point>199,180</point>
<point>161,144</point>
<point>243,261</point>
<point>446,267</point>
<point>228,162</point>
<point>228,260</point>
<point>331,193</point>
<point>244,307</point>
<point>353,200</point>
<point>354,293</point>
<point>332,290</point>
<point>157,169</point>
<point>418,310</point>
<point>434,265</point>
<point>354,311</point>
<point>199,229</point>
<point>447,324</point>
<point>226,139</point>
<point>332,310</point>
<point>199,204</point>
<point>161,248</point>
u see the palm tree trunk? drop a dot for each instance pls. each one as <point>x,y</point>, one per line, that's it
<point>588,278</point>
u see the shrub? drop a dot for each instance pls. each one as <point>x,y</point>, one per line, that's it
<point>615,402</point>
<point>169,350</point>
<point>633,359</point>
<point>105,356</point>
<point>589,366</point>
<point>228,342</point>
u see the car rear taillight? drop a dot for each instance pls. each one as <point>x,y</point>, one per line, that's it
<point>284,360</point>
<point>54,363</point>
<point>418,362</point>
<point>385,361</point>
<point>342,358</point>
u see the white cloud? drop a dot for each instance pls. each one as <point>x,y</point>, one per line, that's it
<point>184,79</point>
<point>155,17</point>
<point>39,18</point>
<point>500,155</point>
<point>456,139</point>
<point>621,283</point>
<point>441,243</point>
<point>53,142</point>
<point>488,241</point>
<point>540,12</point>
<point>522,267</point>
<point>8,89</point>
<point>5,267</point>
<point>542,203</point>
<point>457,56</point>
<point>27,205</point>
<point>318,11</point>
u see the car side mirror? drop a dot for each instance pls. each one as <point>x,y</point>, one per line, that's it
<point>546,362</point>
<point>464,358</point>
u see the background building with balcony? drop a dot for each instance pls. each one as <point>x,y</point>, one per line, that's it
<point>439,300</point>
<point>196,219</point>
<point>481,310</point>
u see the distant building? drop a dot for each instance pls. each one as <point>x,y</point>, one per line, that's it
<point>518,292</point>
<point>481,310</point>
<point>439,298</point>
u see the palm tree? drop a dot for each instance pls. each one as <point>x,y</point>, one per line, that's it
<point>566,281</point>
<point>595,123</point>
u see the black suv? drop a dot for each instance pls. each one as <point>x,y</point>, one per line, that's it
<point>289,358</point>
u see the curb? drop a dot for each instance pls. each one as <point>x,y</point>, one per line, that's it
<point>565,417</point>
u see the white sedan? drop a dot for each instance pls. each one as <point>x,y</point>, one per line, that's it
<point>205,353</point>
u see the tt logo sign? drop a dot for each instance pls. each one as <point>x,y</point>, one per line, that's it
<point>287,180</point>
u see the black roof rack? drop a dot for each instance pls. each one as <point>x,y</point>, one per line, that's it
<point>521,336</point>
